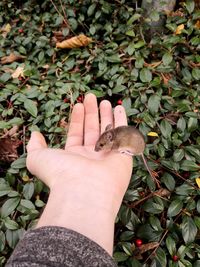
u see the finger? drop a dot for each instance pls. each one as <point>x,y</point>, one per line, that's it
<point>106,114</point>
<point>75,133</point>
<point>36,141</point>
<point>120,117</point>
<point>91,130</point>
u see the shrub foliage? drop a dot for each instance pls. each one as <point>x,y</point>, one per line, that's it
<point>158,82</point>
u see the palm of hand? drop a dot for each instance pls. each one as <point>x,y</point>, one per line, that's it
<point>80,164</point>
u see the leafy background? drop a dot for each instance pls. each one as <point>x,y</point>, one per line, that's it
<point>158,83</point>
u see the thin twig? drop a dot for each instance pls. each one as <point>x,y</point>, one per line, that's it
<point>59,13</point>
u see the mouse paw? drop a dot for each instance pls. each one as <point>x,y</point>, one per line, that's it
<point>126,152</point>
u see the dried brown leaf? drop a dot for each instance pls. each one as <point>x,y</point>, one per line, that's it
<point>19,72</point>
<point>8,149</point>
<point>11,58</point>
<point>74,42</point>
<point>144,248</point>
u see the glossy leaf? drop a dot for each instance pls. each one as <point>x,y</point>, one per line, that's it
<point>9,206</point>
<point>31,107</point>
<point>189,229</point>
<point>174,208</point>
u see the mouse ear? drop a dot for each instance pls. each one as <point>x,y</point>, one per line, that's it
<point>110,136</point>
<point>108,127</point>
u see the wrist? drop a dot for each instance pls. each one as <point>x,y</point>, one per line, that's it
<point>75,208</point>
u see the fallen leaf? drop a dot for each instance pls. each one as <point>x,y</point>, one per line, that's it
<point>19,72</point>
<point>179,29</point>
<point>197,24</point>
<point>12,132</point>
<point>11,58</point>
<point>5,30</point>
<point>152,134</point>
<point>198,182</point>
<point>144,248</point>
<point>63,124</point>
<point>166,77</point>
<point>8,149</point>
<point>152,65</point>
<point>76,41</point>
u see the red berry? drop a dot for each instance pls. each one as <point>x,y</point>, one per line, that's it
<point>66,100</point>
<point>20,30</point>
<point>80,99</point>
<point>175,258</point>
<point>119,102</point>
<point>138,242</point>
<point>186,174</point>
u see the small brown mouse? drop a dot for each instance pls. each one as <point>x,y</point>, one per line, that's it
<point>125,139</point>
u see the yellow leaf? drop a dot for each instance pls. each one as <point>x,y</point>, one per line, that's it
<point>25,178</point>
<point>179,29</point>
<point>198,182</point>
<point>152,134</point>
<point>76,41</point>
<point>5,30</point>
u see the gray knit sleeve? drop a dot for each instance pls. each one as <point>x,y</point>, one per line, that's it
<point>57,246</point>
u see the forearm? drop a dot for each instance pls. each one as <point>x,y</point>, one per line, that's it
<point>57,246</point>
<point>74,209</point>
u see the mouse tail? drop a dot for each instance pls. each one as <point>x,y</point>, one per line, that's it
<point>147,167</point>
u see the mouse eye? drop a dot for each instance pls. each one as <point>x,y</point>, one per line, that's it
<point>101,145</point>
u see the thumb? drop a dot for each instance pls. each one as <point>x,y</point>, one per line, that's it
<point>35,148</point>
<point>36,141</point>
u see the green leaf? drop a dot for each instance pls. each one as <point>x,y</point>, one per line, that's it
<point>189,229</point>
<point>4,189</point>
<point>39,203</point>
<point>181,124</point>
<point>28,190</point>
<point>9,206</point>
<point>119,88</point>
<point>161,257</point>
<point>31,107</point>
<point>192,124</point>
<point>13,236</point>
<point>154,206</point>
<point>2,241</point>
<point>154,103</point>
<point>167,59</point>
<point>135,17</point>
<point>166,128</point>
<point>188,165</point>
<point>91,9</point>
<point>27,204</point>
<point>145,75</point>
<point>120,256</point>
<point>171,245</point>
<point>5,77</point>
<point>190,6</point>
<point>174,208</point>
<point>130,33</point>
<point>178,155</point>
<point>147,232</point>
<point>114,58</point>
<point>10,224</point>
<point>131,49</point>
<point>169,181</point>
<point>19,163</point>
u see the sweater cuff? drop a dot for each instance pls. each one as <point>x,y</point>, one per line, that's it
<point>58,246</point>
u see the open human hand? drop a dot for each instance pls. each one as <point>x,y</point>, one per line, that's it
<point>78,167</point>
